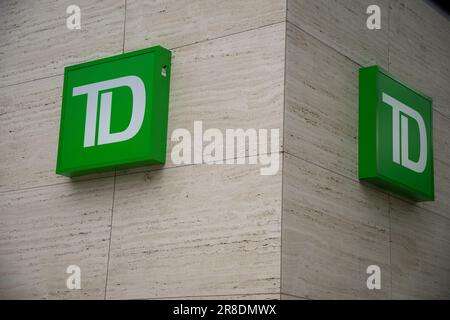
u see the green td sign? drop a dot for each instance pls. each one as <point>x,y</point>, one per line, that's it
<point>395,135</point>
<point>114,113</point>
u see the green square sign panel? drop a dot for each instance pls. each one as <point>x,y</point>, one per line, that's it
<point>114,113</point>
<point>395,135</point>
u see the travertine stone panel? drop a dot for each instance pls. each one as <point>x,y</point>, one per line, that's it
<point>441,155</point>
<point>228,83</point>
<point>175,23</point>
<point>342,26</point>
<point>290,297</point>
<point>35,41</point>
<point>261,296</point>
<point>420,253</point>
<point>29,130</point>
<point>196,230</point>
<point>419,51</point>
<point>441,152</point>
<point>44,230</point>
<point>333,229</point>
<point>217,231</point>
<point>29,125</point>
<point>321,116</point>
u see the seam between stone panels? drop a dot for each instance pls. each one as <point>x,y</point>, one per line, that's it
<point>115,175</point>
<point>229,35</point>
<point>124,26</point>
<point>119,174</point>
<point>207,296</point>
<point>369,186</point>
<point>440,113</point>
<point>295,296</point>
<point>389,197</point>
<point>356,180</point>
<point>110,236</point>
<point>324,43</point>
<point>322,167</point>
<point>172,48</point>
<point>353,60</point>
<point>389,35</point>
<point>283,155</point>
<point>55,184</point>
<point>31,80</point>
<point>123,48</point>
<point>390,245</point>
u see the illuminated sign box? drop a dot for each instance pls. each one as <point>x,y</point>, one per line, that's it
<point>114,113</point>
<point>395,135</point>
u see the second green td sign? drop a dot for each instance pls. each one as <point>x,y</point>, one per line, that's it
<point>395,135</point>
<point>114,113</point>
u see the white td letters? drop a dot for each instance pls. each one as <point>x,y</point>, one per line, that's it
<point>400,128</point>
<point>104,135</point>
